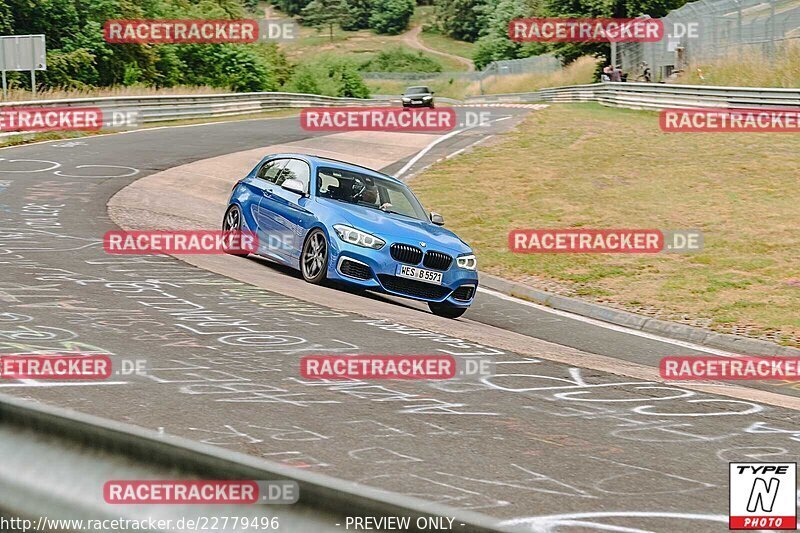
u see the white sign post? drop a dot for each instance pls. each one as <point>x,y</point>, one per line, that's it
<point>22,52</point>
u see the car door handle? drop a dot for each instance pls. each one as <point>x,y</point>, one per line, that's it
<point>267,192</point>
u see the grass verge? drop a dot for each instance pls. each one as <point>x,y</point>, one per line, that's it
<point>591,166</point>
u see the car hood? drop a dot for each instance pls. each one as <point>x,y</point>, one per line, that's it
<point>397,228</point>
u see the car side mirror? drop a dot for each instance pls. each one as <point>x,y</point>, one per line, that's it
<point>295,185</point>
<point>433,92</point>
<point>437,219</point>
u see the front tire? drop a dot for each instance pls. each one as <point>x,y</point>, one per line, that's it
<point>232,221</point>
<point>446,310</point>
<point>314,258</point>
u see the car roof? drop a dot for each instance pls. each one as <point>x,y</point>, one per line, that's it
<point>418,87</point>
<point>318,160</point>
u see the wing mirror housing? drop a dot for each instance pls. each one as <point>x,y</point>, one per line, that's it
<point>295,186</point>
<point>437,219</point>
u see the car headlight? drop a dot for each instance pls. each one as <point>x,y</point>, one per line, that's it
<point>358,237</point>
<point>406,99</point>
<point>427,97</point>
<point>468,262</point>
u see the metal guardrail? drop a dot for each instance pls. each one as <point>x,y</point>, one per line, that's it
<point>151,109</point>
<point>656,96</point>
<point>55,464</point>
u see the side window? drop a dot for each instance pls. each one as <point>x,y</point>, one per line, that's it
<point>295,170</point>
<point>399,201</point>
<point>269,170</point>
<point>327,185</point>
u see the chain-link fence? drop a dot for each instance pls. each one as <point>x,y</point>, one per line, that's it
<point>543,64</point>
<point>711,29</point>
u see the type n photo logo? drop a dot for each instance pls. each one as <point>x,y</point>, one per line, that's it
<point>763,496</point>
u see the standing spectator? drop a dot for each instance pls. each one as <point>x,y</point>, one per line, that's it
<point>616,74</point>
<point>606,76</point>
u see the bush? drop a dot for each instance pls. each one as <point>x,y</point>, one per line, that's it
<point>227,65</point>
<point>391,16</point>
<point>328,76</point>
<point>399,59</point>
<point>68,70</point>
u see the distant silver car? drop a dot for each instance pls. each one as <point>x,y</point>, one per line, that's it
<point>420,96</point>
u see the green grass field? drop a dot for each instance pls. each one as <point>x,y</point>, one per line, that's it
<point>363,45</point>
<point>590,166</point>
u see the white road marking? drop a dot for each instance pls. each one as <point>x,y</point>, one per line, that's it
<point>427,149</point>
<point>607,325</point>
<point>433,143</point>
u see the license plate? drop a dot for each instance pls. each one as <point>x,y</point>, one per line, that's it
<point>419,274</point>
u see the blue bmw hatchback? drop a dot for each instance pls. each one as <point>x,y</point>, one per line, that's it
<point>339,221</point>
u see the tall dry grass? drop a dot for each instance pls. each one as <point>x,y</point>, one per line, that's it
<point>578,72</point>
<point>442,86</point>
<point>750,68</point>
<point>19,95</point>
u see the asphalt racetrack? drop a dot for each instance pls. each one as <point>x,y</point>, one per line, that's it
<point>573,433</point>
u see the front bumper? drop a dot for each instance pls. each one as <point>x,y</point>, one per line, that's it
<point>429,103</point>
<point>352,264</point>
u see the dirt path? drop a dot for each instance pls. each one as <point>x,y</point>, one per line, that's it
<point>411,38</point>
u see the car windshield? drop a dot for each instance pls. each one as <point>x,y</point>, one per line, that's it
<point>368,191</point>
<point>417,90</point>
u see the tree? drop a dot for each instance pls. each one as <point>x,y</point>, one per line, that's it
<point>602,9</point>
<point>69,70</point>
<point>6,18</point>
<point>391,16</point>
<point>358,13</point>
<point>460,19</point>
<point>494,44</point>
<point>291,7</point>
<point>321,13</point>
